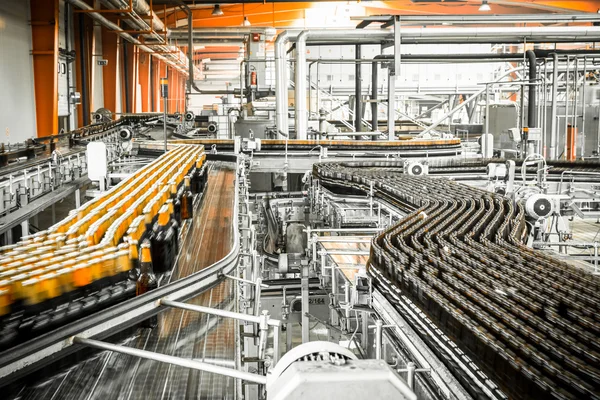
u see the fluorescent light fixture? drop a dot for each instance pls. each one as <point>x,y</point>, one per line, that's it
<point>217,10</point>
<point>246,22</point>
<point>485,6</point>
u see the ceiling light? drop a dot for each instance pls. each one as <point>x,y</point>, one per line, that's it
<point>485,6</point>
<point>217,10</point>
<point>246,22</point>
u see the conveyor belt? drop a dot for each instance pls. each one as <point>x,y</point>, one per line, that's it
<point>529,321</point>
<point>180,333</point>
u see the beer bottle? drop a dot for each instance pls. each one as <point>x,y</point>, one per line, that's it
<point>134,271</point>
<point>161,245</point>
<point>176,201</point>
<point>173,224</point>
<point>196,184</point>
<point>187,200</point>
<point>147,281</point>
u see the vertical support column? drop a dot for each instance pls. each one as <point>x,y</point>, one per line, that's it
<point>96,75</point>
<point>553,124</point>
<point>83,56</point>
<point>378,338</point>
<point>374,105</point>
<point>391,104</point>
<point>358,91</point>
<point>126,77</point>
<point>44,38</point>
<point>305,305</point>
<point>144,71</point>
<point>110,72</point>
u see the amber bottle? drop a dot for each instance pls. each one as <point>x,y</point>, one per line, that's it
<point>176,201</point>
<point>146,281</point>
<point>162,243</point>
<point>187,200</point>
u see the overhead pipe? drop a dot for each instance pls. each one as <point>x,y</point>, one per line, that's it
<point>485,19</point>
<point>221,32</point>
<point>139,7</point>
<point>531,108</point>
<point>501,35</point>
<point>190,20</point>
<point>118,30</point>
<point>341,35</point>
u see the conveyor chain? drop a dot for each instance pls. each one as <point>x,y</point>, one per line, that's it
<point>531,322</point>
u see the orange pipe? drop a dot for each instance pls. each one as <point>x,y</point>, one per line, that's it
<point>44,40</point>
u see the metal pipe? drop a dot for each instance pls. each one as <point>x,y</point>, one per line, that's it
<point>501,35</point>
<point>583,107</point>
<point>85,105</point>
<point>358,91</point>
<point>478,19</point>
<point>114,27</point>
<point>531,108</point>
<point>126,78</point>
<point>218,312</point>
<point>567,94</point>
<point>553,124</point>
<point>303,37</point>
<point>374,104</point>
<point>378,339</point>
<point>281,87</point>
<point>576,89</point>
<point>391,106</point>
<point>165,358</point>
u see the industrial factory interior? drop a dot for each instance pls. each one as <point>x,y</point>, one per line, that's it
<point>282,200</point>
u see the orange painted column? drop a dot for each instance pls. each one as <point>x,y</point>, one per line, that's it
<point>571,136</point>
<point>144,72</point>
<point>44,38</point>
<point>183,89</point>
<point>110,52</point>
<point>155,85</point>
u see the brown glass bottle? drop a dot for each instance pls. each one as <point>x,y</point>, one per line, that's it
<point>147,281</point>
<point>187,200</point>
<point>196,184</point>
<point>134,259</point>
<point>162,242</point>
<point>175,196</point>
<point>174,225</point>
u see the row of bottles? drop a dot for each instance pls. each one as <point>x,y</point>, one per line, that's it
<point>74,258</point>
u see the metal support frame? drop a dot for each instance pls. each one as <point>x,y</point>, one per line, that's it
<point>165,358</point>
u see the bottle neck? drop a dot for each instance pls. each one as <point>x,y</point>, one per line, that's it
<point>146,262</point>
<point>163,218</point>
